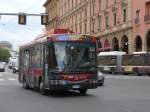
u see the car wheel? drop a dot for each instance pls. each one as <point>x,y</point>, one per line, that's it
<point>14,71</point>
<point>83,91</point>
<point>101,84</point>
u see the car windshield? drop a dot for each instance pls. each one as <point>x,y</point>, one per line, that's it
<point>74,56</point>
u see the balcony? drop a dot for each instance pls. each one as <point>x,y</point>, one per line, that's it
<point>147,18</point>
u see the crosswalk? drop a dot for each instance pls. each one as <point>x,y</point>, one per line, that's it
<point>9,79</point>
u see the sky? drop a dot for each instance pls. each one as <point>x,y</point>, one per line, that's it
<point>20,34</point>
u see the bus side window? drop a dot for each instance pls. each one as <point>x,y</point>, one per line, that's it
<point>26,59</point>
<point>52,58</point>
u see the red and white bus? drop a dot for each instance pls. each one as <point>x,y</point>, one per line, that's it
<point>59,60</point>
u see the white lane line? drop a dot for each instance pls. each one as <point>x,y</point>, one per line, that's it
<point>12,79</point>
<point>126,77</point>
<point>2,80</point>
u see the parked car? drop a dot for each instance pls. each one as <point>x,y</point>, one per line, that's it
<point>2,66</point>
<point>101,78</point>
<point>10,65</point>
<point>15,67</point>
<point>12,60</point>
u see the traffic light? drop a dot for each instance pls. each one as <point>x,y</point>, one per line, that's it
<point>22,19</point>
<point>44,19</point>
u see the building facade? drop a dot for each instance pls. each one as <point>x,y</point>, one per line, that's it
<point>115,26</point>
<point>119,25</point>
<point>141,25</point>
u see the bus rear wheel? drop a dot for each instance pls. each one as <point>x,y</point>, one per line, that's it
<point>43,91</point>
<point>83,91</point>
<point>25,85</point>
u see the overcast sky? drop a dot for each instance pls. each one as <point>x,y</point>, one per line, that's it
<point>9,28</point>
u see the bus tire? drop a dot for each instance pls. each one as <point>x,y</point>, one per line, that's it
<point>83,91</point>
<point>25,85</point>
<point>43,91</point>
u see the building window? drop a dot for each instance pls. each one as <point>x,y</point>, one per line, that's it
<point>76,27</point>
<point>93,8</point>
<point>68,4</point>
<point>72,3</point>
<point>107,22</point>
<point>99,23</point>
<point>85,26</point>
<point>76,18</point>
<point>137,16</point>
<point>106,3</point>
<point>65,8</point>
<point>76,2</point>
<point>85,13</point>
<point>115,19</point>
<point>80,16</point>
<point>93,28</point>
<point>81,28</point>
<point>99,5</point>
<point>124,15</point>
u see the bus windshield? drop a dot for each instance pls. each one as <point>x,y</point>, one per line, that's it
<point>74,56</point>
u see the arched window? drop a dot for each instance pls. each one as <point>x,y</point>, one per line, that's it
<point>106,45</point>
<point>115,44</point>
<point>124,43</point>
<point>138,43</point>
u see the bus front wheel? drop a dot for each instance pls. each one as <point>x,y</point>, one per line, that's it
<point>25,85</point>
<point>43,91</point>
<point>83,91</point>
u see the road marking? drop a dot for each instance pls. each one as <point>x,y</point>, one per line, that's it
<point>127,77</point>
<point>11,79</point>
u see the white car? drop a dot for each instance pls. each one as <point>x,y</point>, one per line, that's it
<point>101,78</point>
<point>15,67</point>
<point>2,66</point>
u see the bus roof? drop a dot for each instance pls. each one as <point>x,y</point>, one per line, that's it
<point>58,35</point>
<point>111,53</point>
<point>142,52</point>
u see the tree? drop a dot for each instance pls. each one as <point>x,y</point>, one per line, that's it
<point>4,55</point>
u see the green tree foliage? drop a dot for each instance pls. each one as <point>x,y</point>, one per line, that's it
<point>4,55</point>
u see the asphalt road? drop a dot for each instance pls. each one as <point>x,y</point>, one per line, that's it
<point>121,94</point>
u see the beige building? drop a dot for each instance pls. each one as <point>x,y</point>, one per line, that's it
<point>109,20</point>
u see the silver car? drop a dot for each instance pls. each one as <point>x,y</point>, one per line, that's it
<point>101,78</point>
<point>2,66</point>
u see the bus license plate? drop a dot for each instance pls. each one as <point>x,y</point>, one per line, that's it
<point>76,86</point>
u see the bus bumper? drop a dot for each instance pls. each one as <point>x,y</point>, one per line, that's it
<point>74,85</point>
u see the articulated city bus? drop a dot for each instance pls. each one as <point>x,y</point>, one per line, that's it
<point>110,61</point>
<point>58,60</point>
<point>138,63</point>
